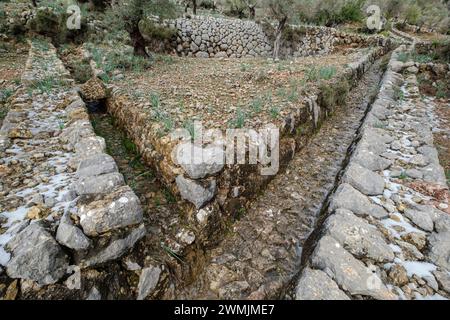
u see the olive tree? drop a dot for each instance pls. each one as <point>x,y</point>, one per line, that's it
<point>281,11</point>
<point>131,12</point>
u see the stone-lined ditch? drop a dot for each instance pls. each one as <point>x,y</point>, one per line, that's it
<point>186,262</point>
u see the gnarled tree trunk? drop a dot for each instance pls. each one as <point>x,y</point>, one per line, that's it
<point>194,7</point>
<point>252,10</point>
<point>138,43</point>
<point>278,37</point>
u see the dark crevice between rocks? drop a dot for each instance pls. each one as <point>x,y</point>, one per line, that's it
<point>97,107</point>
<point>311,242</point>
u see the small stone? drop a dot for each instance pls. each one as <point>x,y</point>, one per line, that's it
<point>20,134</point>
<point>420,219</point>
<point>398,275</point>
<point>418,160</point>
<point>443,278</point>
<point>431,282</point>
<point>12,291</point>
<point>94,294</point>
<point>34,213</point>
<point>186,236</point>
<point>74,281</point>
<point>148,282</point>
<point>417,239</point>
<point>396,145</point>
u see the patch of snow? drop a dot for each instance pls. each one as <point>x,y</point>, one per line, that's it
<point>420,269</point>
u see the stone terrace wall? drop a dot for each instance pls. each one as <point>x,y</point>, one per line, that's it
<point>65,201</point>
<point>210,189</point>
<point>211,37</point>
<point>382,239</point>
<point>207,37</point>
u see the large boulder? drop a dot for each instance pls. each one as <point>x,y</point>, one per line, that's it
<point>317,285</point>
<point>358,237</point>
<point>116,210</point>
<point>348,272</point>
<point>347,197</point>
<point>36,256</point>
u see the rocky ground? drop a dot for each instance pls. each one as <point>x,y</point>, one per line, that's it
<point>12,62</point>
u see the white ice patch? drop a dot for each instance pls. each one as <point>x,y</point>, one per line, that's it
<point>4,256</point>
<point>420,269</point>
<point>408,228</point>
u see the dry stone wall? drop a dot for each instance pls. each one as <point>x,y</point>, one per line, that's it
<point>207,37</point>
<point>382,239</point>
<point>64,205</point>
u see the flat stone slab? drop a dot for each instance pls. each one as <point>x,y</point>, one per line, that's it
<point>96,165</point>
<point>364,180</point>
<point>117,210</point>
<point>317,285</point>
<point>358,237</point>
<point>348,272</point>
<point>347,197</point>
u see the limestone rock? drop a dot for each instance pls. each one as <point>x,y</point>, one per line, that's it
<point>96,165</point>
<point>349,273</point>
<point>398,275</point>
<point>317,285</point>
<point>71,236</point>
<point>116,248</point>
<point>443,278</point>
<point>346,197</point>
<point>420,219</point>
<point>195,192</point>
<point>200,162</point>
<point>148,282</point>
<point>117,210</point>
<point>36,256</point>
<point>364,180</point>
<point>358,237</point>
<point>103,184</point>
